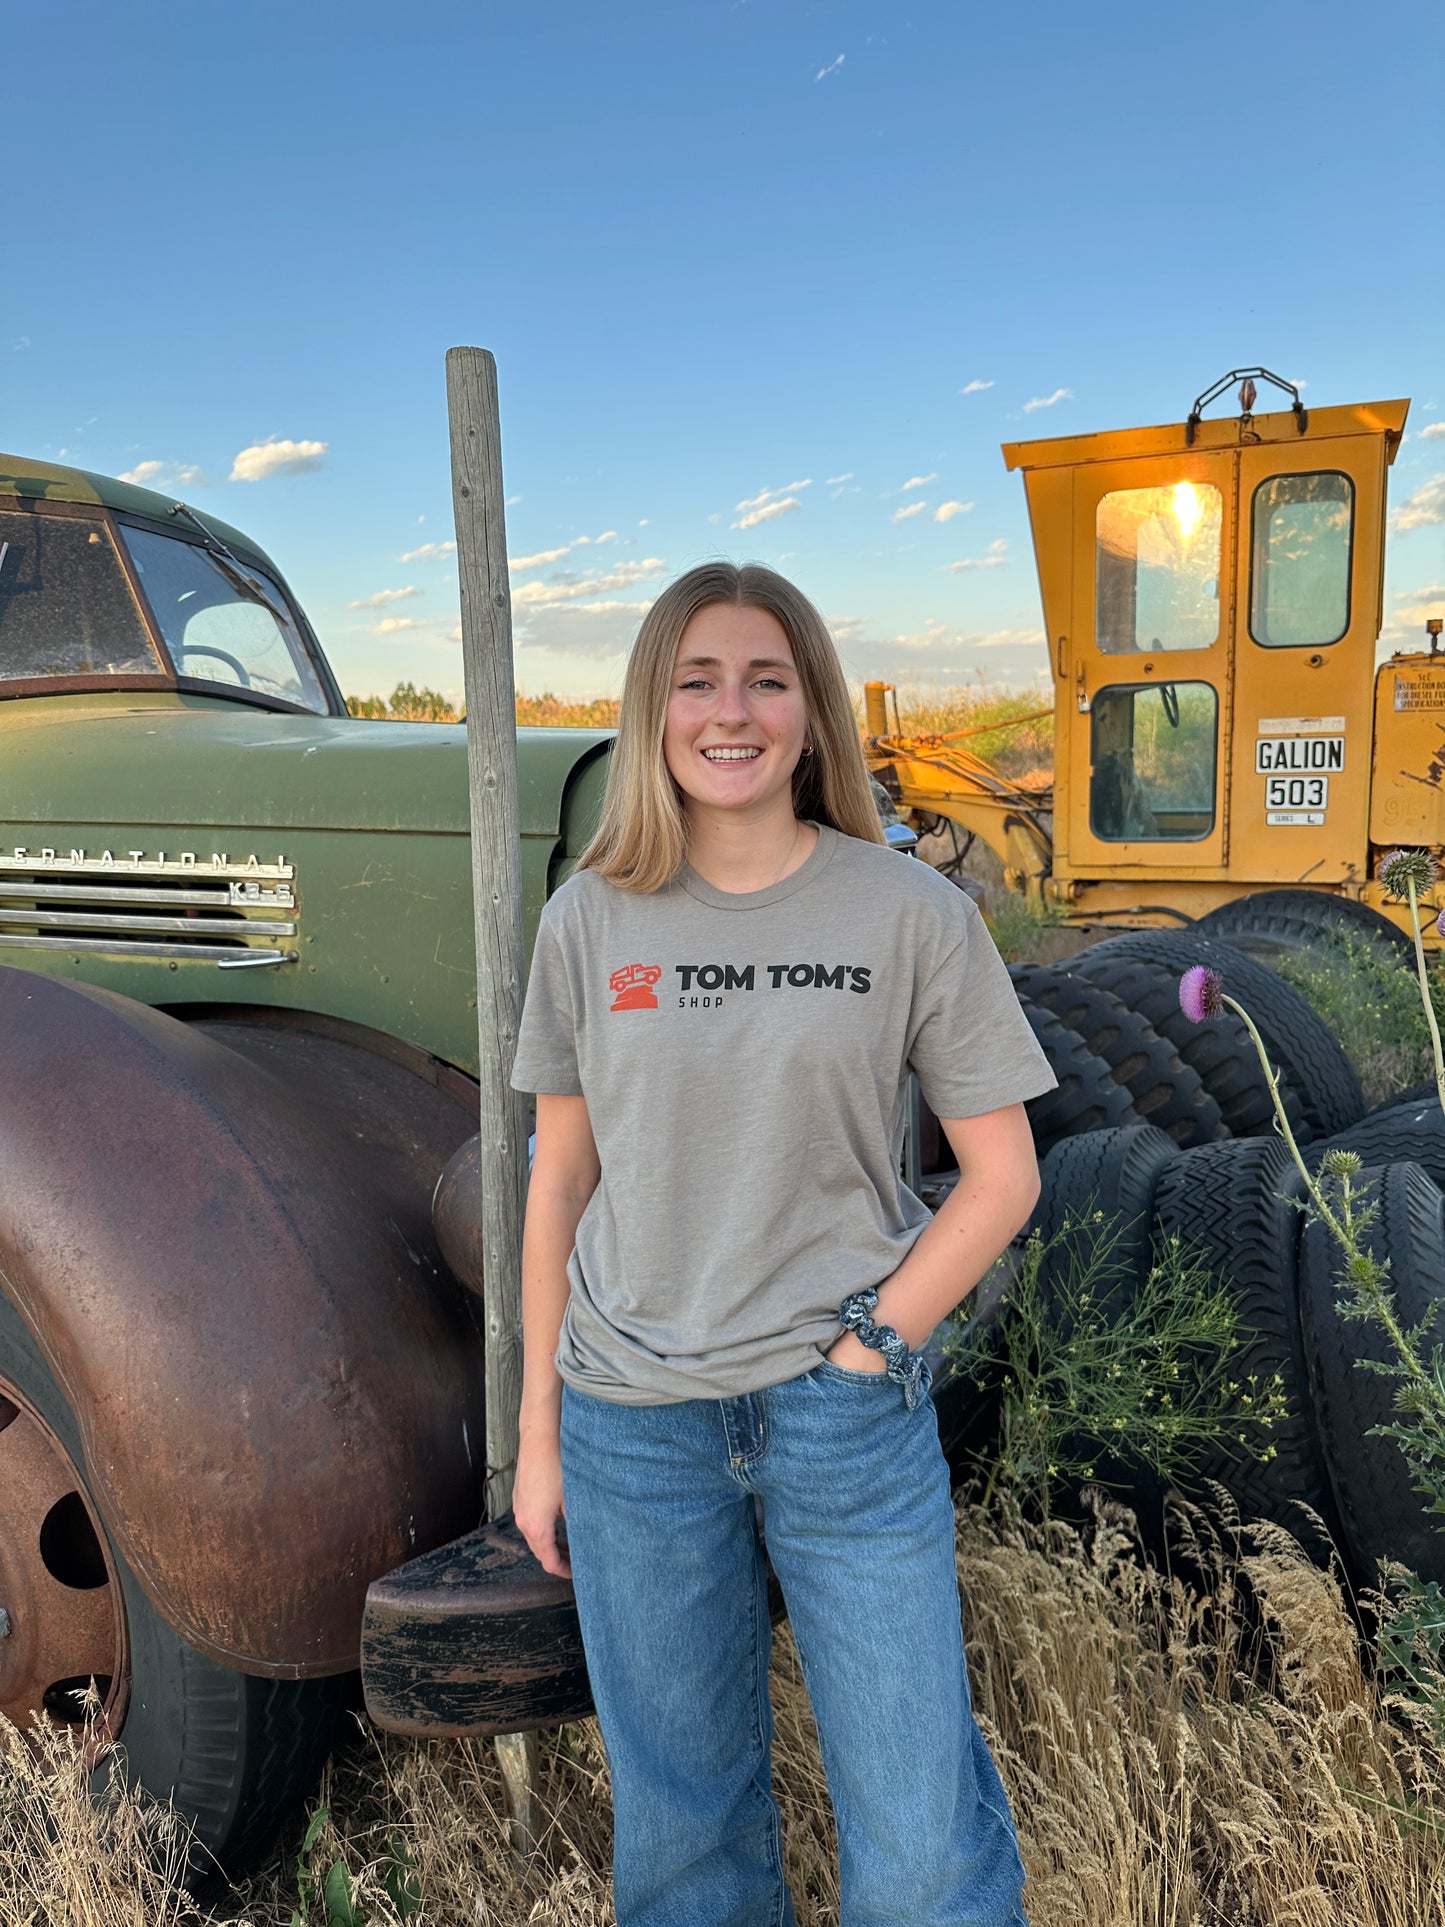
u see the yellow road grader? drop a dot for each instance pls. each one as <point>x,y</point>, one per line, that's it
<point>1212,598</point>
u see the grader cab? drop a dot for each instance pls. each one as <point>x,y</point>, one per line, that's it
<point>1212,597</point>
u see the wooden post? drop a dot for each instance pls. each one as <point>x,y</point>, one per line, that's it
<point>477,501</point>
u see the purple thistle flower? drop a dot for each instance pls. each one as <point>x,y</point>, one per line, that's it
<point>1201,993</point>
<point>1401,868</point>
<point>1440,923</point>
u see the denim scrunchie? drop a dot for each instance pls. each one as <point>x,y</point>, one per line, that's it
<point>905,1368</point>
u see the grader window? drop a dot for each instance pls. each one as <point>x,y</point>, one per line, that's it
<point>1152,759</point>
<point>1299,591</point>
<point>1156,572</point>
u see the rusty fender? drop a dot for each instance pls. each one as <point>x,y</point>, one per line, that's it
<point>277,1384</point>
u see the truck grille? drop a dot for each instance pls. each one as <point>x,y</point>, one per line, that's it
<point>214,910</point>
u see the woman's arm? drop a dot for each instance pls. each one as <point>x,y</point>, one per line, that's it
<point>997,1189</point>
<point>565,1171</point>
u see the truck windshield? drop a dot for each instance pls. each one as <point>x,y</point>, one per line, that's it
<point>66,608</point>
<point>216,627</point>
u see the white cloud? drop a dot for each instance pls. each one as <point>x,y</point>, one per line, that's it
<point>1431,432</point>
<point>166,476</point>
<point>831,68</point>
<point>940,655</point>
<point>975,387</point>
<point>383,598</point>
<point>1424,508</point>
<point>393,625</point>
<point>512,501</point>
<point>765,495</point>
<point>913,508</point>
<point>607,535</point>
<point>276,456</point>
<point>567,588</point>
<point>1048,401</point>
<point>644,523</point>
<point>17,344</point>
<point>1404,628</point>
<point>767,512</point>
<point>429,552</point>
<point>601,631</point>
<point>918,481</point>
<point>976,562</point>
<point>835,480</point>
<point>540,559</point>
<point>946,511</point>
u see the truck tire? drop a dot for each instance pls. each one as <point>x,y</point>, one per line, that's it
<point>1271,924</point>
<point>1317,1081</point>
<point>1403,1134</point>
<point>1417,1096</point>
<point>1162,1088</point>
<point>1382,1516</point>
<point>1112,1172</point>
<point>1087,1098</point>
<point>235,1753</point>
<point>1231,1204</point>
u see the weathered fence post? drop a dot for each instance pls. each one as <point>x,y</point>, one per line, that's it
<point>477,501</point>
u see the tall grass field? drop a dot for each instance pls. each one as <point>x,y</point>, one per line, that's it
<point>1201,1754</point>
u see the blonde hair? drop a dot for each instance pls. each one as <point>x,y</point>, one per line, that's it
<point>641,838</point>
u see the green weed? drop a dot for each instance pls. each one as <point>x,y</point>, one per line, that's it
<point>1101,1378</point>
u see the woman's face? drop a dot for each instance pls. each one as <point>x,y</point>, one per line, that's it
<point>736,720</point>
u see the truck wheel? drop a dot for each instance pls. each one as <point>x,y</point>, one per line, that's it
<point>1087,1098</point>
<point>1161,1086</point>
<point>1324,1092</point>
<point>1231,1205</point>
<point>1277,923</point>
<point>1403,1134</point>
<point>1383,1517</point>
<point>235,1753</point>
<point>1113,1172</point>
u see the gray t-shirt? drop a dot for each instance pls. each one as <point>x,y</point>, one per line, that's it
<point>744,1060</point>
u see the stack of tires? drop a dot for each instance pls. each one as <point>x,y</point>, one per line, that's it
<point>1168,1128</point>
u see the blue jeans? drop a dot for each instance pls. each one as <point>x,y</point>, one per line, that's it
<point>671,1590</point>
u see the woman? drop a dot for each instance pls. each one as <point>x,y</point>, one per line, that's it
<point>724,1005</point>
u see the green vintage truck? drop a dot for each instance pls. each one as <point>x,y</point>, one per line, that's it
<point>238,1381</point>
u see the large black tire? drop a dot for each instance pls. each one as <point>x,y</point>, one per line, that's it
<point>1383,1517</point>
<point>1114,1174</point>
<point>1403,1134</point>
<point>1162,1088</point>
<point>1271,924</point>
<point>1087,1098</point>
<point>1231,1205</point>
<point>1317,1082</point>
<point>235,1754</point>
<point>1415,1096</point>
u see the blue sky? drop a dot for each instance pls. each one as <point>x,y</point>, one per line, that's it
<point>816,260</point>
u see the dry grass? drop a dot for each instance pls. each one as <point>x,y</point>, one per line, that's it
<point>1199,1755</point>
<point>551,712</point>
<point>1021,750</point>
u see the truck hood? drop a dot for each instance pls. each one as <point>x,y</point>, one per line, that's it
<point>187,760</point>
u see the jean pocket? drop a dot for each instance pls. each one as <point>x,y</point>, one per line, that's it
<point>826,1369</point>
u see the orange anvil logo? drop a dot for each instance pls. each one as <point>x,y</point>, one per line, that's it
<point>632,986</point>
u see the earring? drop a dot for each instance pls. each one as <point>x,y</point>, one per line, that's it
<point>807,749</point>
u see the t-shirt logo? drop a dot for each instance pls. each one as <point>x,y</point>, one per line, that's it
<point>633,986</point>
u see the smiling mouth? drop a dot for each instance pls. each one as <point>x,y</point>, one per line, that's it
<point>721,755</point>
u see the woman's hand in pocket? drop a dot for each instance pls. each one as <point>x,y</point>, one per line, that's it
<point>537,1503</point>
<point>853,1355</point>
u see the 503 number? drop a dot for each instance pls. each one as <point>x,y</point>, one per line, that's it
<point>1297,793</point>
